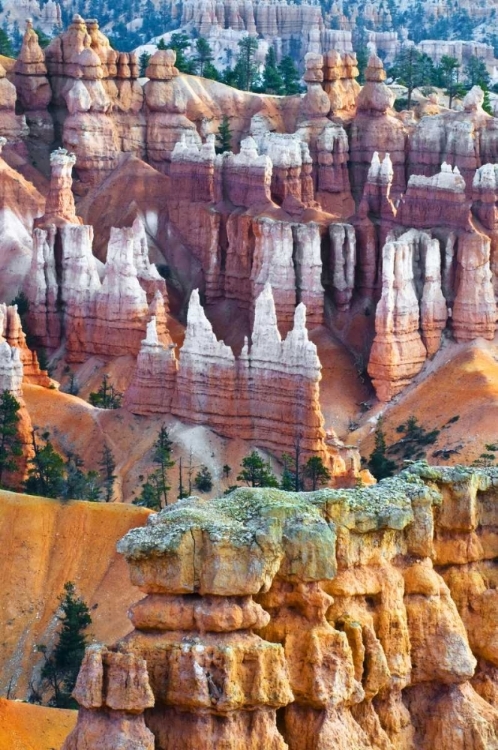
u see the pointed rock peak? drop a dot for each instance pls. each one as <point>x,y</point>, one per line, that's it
<point>386,169</point>
<point>120,247</point>
<point>486,177</point>
<point>138,227</point>
<point>374,170</point>
<point>61,158</point>
<point>300,318</point>
<point>445,167</point>
<point>196,316</point>
<point>265,333</point>
<point>151,337</point>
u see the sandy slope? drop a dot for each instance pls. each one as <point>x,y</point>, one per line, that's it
<point>26,727</point>
<point>462,381</point>
<point>43,544</point>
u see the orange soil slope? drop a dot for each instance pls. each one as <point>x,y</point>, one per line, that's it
<point>462,382</point>
<point>26,727</point>
<point>43,544</point>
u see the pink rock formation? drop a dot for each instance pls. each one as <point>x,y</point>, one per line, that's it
<point>435,201</point>
<point>166,121</point>
<point>397,353</point>
<point>231,395</point>
<point>340,72</point>
<point>20,203</point>
<point>59,206</point>
<point>11,330</point>
<point>376,128</point>
<point>33,89</point>
<point>342,263</point>
<point>247,176</point>
<point>308,264</point>
<point>114,691</point>
<point>11,371</point>
<point>153,384</point>
<point>474,309</point>
<point>273,264</point>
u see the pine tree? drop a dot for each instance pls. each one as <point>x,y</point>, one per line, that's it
<point>256,472</point>
<point>379,464</point>
<point>161,45</point>
<point>143,62</point>
<point>6,47</point>
<point>316,471</point>
<point>62,665</point>
<point>448,75</point>
<point>226,470</point>
<point>10,445</point>
<point>154,494</point>
<point>107,467</point>
<point>203,480</point>
<point>288,481</point>
<point>224,136</point>
<point>246,67</point>
<point>203,55</point>
<point>180,43</point>
<point>46,472</point>
<point>476,73</point>
<point>412,68</point>
<point>290,76</point>
<point>272,79</point>
<point>107,397</point>
<point>78,484</point>
<point>43,39</point>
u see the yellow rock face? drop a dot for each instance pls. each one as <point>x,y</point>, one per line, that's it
<point>30,727</point>
<point>45,543</point>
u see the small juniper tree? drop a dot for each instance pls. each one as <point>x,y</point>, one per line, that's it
<point>316,471</point>
<point>288,481</point>
<point>203,480</point>
<point>46,469</point>
<point>78,484</point>
<point>379,464</point>
<point>107,467</point>
<point>226,470</point>
<point>256,472</point>
<point>290,76</point>
<point>143,62</point>
<point>107,397</point>
<point>62,664</point>
<point>10,444</point>
<point>273,82</point>
<point>224,136</point>
<point>154,494</point>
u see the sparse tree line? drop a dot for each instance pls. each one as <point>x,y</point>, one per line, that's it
<point>414,69</point>
<point>195,56</point>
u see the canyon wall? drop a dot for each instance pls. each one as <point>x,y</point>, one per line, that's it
<point>347,618</point>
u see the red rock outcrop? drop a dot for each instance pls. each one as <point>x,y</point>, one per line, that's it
<point>152,387</point>
<point>348,610</point>
<point>376,128</point>
<point>34,95</point>
<point>231,395</point>
<point>20,203</point>
<point>166,121</point>
<point>11,330</point>
<point>59,205</point>
<point>397,353</point>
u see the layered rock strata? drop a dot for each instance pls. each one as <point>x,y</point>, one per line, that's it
<point>273,382</point>
<point>347,610</point>
<point>12,332</point>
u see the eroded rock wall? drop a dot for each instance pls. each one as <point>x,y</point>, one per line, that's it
<point>363,616</point>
